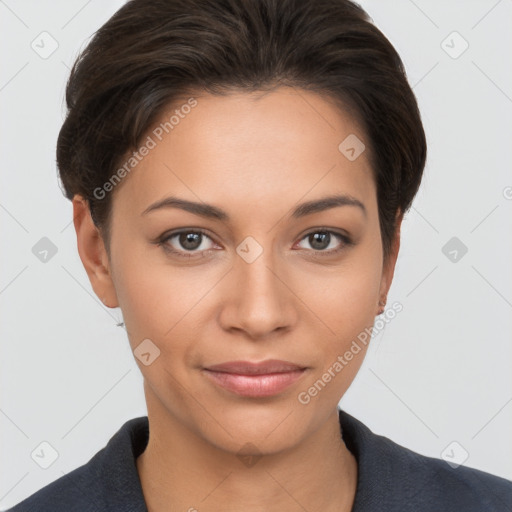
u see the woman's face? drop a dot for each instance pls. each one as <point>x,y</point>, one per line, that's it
<point>258,284</point>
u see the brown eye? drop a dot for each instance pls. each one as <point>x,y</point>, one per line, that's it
<point>190,241</point>
<point>186,243</point>
<point>319,241</point>
<point>326,242</point>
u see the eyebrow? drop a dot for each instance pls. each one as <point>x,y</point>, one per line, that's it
<point>213,212</point>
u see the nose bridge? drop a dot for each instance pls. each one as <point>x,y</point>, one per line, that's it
<point>258,277</point>
<point>262,301</point>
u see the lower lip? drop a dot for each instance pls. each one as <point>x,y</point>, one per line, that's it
<point>258,386</point>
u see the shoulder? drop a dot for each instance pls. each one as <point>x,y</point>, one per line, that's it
<point>108,481</point>
<point>427,481</point>
<point>393,477</point>
<point>72,492</point>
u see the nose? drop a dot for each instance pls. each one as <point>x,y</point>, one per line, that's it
<point>260,301</point>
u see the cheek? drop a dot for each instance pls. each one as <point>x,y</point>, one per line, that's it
<point>345,302</point>
<point>347,307</point>
<point>346,297</point>
<point>158,301</point>
<point>145,297</point>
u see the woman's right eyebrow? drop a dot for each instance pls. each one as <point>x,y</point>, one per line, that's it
<point>202,209</point>
<point>213,212</point>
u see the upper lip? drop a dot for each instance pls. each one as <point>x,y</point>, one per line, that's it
<point>250,368</point>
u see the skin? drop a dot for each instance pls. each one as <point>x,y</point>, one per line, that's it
<point>256,157</point>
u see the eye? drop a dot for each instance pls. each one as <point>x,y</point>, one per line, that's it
<point>186,243</point>
<point>325,241</point>
<point>191,243</point>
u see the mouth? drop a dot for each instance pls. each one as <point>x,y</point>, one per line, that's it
<point>257,380</point>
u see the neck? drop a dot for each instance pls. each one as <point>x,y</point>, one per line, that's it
<point>180,471</point>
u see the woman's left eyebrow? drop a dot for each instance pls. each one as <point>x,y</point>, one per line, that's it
<point>325,203</point>
<point>210,211</point>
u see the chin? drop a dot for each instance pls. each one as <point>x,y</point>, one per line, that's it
<point>268,426</point>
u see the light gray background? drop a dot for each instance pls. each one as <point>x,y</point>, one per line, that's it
<point>440,371</point>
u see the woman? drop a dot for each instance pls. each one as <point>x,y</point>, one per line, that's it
<point>239,172</point>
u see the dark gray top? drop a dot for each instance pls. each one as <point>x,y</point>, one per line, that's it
<point>391,478</point>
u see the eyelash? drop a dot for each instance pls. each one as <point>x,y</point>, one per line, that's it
<point>163,242</point>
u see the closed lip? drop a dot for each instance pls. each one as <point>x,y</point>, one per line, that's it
<point>268,366</point>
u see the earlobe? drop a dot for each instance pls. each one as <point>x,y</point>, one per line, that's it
<point>93,253</point>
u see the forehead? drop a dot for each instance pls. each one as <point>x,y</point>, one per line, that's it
<point>250,148</point>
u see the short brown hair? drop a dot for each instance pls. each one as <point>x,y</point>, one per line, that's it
<point>151,52</point>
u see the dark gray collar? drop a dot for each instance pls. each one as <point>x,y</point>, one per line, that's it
<point>391,478</point>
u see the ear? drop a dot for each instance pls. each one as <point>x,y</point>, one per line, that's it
<point>93,253</point>
<point>388,269</point>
